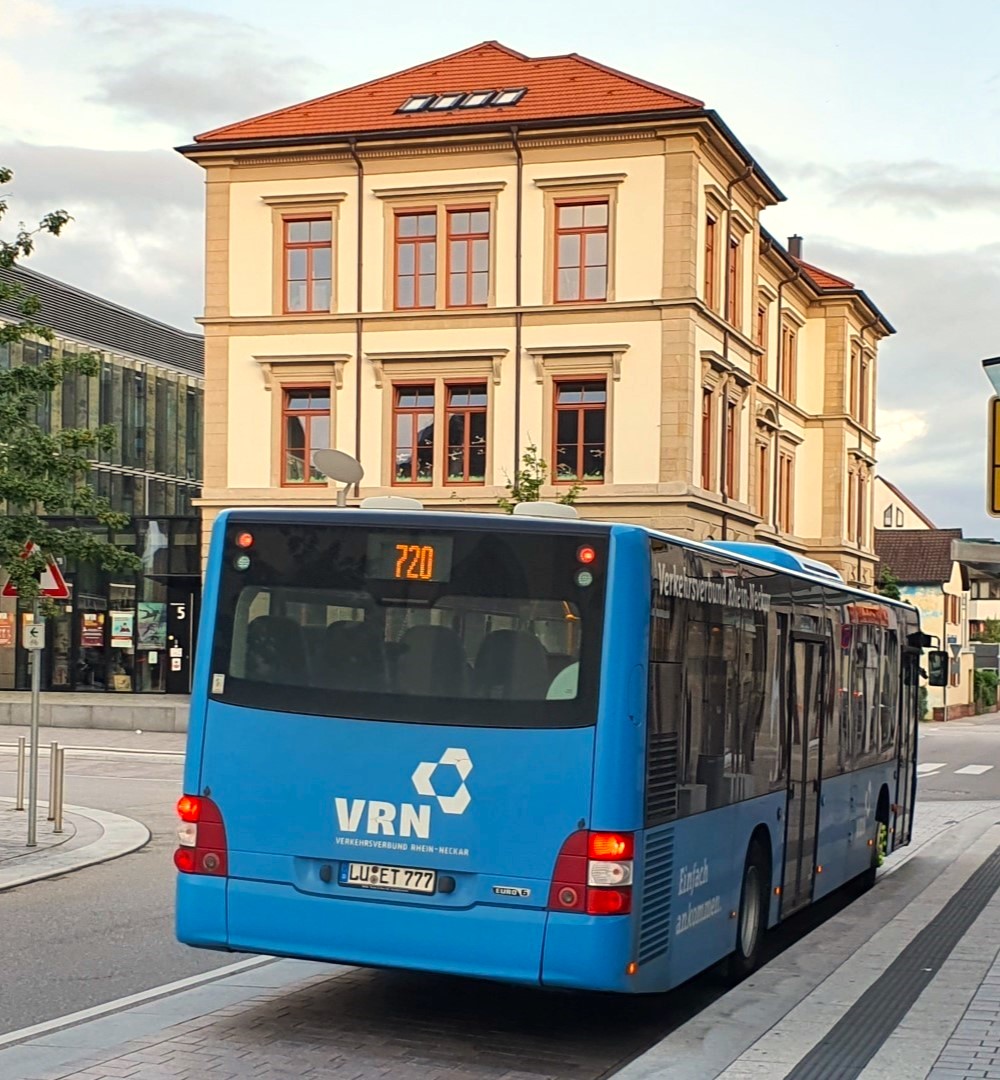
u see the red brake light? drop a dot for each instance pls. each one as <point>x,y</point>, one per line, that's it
<point>609,901</point>
<point>184,859</point>
<point>605,846</point>
<point>204,849</point>
<point>586,555</point>
<point>244,540</point>
<point>581,881</point>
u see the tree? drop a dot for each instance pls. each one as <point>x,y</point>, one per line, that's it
<point>527,485</point>
<point>888,584</point>
<point>45,475</point>
<point>990,632</point>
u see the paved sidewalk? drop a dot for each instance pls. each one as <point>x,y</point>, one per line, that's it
<point>89,835</point>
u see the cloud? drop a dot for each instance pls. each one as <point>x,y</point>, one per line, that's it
<point>920,188</point>
<point>898,428</point>
<point>932,391</point>
<point>22,17</point>
<point>136,234</point>
<point>192,70</point>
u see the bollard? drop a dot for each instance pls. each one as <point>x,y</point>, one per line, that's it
<point>60,777</point>
<point>53,754</point>
<point>21,741</point>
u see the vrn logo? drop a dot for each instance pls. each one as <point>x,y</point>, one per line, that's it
<point>409,819</point>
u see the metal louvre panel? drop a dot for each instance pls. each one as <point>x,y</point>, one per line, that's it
<point>661,777</point>
<point>658,868</point>
<point>98,323</point>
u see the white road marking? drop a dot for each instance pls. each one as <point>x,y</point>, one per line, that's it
<point>928,768</point>
<point>133,999</point>
<point>973,770</point>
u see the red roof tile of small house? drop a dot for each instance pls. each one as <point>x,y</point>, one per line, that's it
<point>823,279</point>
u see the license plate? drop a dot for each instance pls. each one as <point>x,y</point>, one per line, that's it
<point>393,878</point>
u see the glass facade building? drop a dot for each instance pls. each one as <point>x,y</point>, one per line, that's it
<point>121,632</point>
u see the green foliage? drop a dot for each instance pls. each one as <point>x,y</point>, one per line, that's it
<point>985,683</point>
<point>990,632</point>
<point>42,475</point>
<point>527,485</point>
<point>888,584</point>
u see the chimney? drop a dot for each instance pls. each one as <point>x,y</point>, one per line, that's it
<point>795,246</point>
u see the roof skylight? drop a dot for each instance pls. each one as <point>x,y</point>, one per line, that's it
<point>509,97</point>
<point>446,101</point>
<point>416,103</point>
<point>477,99</point>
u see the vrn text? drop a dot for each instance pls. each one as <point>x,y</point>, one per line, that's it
<point>383,818</point>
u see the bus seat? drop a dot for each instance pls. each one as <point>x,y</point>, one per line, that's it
<point>512,664</point>
<point>353,658</point>
<point>432,661</point>
<point>275,651</point>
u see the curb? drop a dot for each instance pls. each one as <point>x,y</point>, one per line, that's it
<point>120,836</point>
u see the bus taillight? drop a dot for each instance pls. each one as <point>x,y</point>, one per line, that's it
<point>202,837</point>
<point>593,874</point>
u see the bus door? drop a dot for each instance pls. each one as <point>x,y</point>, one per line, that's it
<point>807,692</point>
<point>907,750</point>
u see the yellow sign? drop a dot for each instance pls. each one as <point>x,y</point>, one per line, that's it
<point>993,462</point>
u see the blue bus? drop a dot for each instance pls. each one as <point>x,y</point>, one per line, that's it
<point>528,748</point>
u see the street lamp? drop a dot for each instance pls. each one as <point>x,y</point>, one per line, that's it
<point>992,368</point>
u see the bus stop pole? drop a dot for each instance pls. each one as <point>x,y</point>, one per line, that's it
<point>36,687</point>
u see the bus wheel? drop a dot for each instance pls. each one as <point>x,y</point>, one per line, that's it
<point>752,919</point>
<point>879,847</point>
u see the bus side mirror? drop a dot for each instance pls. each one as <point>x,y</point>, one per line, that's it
<point>937,663</point>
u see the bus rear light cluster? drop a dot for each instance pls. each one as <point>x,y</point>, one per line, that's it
<point>593,874</point>
<point>202,837</point>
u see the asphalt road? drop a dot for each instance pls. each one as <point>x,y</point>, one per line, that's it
<point>101,933</point>
<point>960,759</point>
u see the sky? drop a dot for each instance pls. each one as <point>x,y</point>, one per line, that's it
<point>878,119</point>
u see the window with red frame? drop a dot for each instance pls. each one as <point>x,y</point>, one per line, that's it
<point>580,430</point>
<point>308,265</point>
<point>786,481</point>
<point>734,271</point>
<point>465,460</point>
<point>305,425</point>
<point>731,416</point>
<point>763,478</point>
<point>789,362</point>
<point>711,259</point>
<point>416,259</point>
<point>760,337</point>
<point>707,438</point>
<point>413,434</point>
<point>468,258</point>
<point>581,251</point>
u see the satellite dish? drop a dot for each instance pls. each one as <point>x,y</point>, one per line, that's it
<point>338,466</point>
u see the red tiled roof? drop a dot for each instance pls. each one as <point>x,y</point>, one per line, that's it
<point>917,556</point>
<point>558,87</point>
<point>823,279</point>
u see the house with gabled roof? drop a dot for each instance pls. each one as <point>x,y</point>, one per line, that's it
<point>486,252</point>
<point>926,562</point>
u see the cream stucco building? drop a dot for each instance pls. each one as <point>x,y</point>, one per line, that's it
<point>438,269</point>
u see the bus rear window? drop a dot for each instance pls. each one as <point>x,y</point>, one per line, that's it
<point>465,627</point>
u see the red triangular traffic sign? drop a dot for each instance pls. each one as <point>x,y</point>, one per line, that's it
<point>53,584</point>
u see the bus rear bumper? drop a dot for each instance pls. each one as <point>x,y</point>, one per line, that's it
<point>503,943</point>
<point>201,911</point>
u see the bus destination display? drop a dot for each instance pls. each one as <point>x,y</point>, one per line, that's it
<point>406,557</point>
